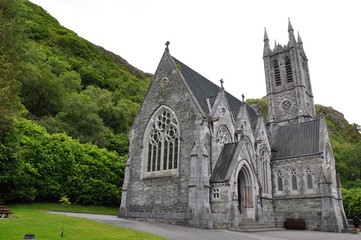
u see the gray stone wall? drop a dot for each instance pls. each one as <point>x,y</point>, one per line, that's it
<point>303,202</point>
<point>160,197</point>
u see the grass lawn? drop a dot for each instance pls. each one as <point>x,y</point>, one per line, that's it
<point>34,219</point>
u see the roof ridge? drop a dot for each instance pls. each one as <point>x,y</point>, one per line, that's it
<point>300,123</point>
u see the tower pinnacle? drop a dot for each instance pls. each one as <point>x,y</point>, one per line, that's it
<point>266,48</point>
<point>291,36</point>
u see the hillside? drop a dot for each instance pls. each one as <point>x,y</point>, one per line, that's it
<point>69,84</point>
<point>81,93</point>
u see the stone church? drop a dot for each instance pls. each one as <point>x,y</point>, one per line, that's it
<point>203,158</point>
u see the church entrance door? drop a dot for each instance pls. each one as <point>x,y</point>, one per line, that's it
<point>244,187</point>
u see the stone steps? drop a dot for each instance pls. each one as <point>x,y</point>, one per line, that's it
<point>248,225</point>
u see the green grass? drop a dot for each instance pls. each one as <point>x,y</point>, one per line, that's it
<point>34,219</point>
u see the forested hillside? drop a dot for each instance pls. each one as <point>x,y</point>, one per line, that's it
<point>62,82</point>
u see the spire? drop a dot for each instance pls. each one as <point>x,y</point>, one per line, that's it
<point>299,40</point>
<point>266,48</point>
<point>265,39</point>
<point>290,28</point>
<point>291,36</point>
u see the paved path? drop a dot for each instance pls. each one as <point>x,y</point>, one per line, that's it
<point>177,232</point>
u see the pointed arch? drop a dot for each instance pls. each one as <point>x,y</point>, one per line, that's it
<point>288,65</point>
<point>277,73</point>
<point>162,143</point>
<point>293,174</point>
<point>308,177</point>
<point>245,189</point>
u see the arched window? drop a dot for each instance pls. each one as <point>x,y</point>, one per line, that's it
<point>264,171</point>
<point>223,135</point>
<point>294,179</point>
<point>163,142</point>
<point>277,73</point>
<point>309,180</point>
<point>279,181</point>
<point>288,70</point>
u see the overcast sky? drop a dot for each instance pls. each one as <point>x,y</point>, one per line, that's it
<point>224,39</point>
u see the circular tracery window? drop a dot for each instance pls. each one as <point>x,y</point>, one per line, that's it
<point>286,105</point>
<point>223,135</point>
<point>155,136</point>
<point>171,133</point>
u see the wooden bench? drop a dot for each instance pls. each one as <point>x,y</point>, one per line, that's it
<point>295,223</point>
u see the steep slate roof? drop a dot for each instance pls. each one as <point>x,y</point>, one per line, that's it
<point>224,162</point>
<point>296,140</point>
<point>202,88</point>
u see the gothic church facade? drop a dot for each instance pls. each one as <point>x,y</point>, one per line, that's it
<point>201,157</point>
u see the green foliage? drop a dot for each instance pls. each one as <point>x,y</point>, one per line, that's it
<point>10,50</point>
<point>261,105</point>
<point>351,201</point>
<point>43,166</point>
<point>64,200</point>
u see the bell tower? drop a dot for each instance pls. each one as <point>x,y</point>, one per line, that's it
<point>289,91</point>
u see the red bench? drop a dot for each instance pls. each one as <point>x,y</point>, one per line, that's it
<point>5,213</point>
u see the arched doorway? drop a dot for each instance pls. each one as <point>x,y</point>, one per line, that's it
<point>244,187</point>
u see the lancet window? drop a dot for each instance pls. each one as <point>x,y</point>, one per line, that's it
<point>264,171</point>
<point>277,73</point>
<point>309,177</point>
<point>288,70</point>
<point>294,179</point>
<point>279,180</point>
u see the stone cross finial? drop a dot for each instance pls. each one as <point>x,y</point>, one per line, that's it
<point>221,83</point>
<point>242,97</point>
<point>167,44</point>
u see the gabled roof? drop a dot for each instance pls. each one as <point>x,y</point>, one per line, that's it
<point>202,88</point>
<point>224,162</point>
<point>301,139</point>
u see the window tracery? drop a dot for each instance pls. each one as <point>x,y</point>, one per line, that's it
<point>163,143</point>
<point>223,135</point>
<point>294,179</point>
<point>309,177</point>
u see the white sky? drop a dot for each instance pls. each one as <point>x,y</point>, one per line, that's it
<point>224,39</point>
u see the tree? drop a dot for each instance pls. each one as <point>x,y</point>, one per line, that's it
<point>10,66</point>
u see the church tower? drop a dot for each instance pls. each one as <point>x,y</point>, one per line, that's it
<point>288,82</point>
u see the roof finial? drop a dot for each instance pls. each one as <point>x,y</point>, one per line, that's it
<point>242,97</point>
<point>221,83</point>
<point>167,44</point>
